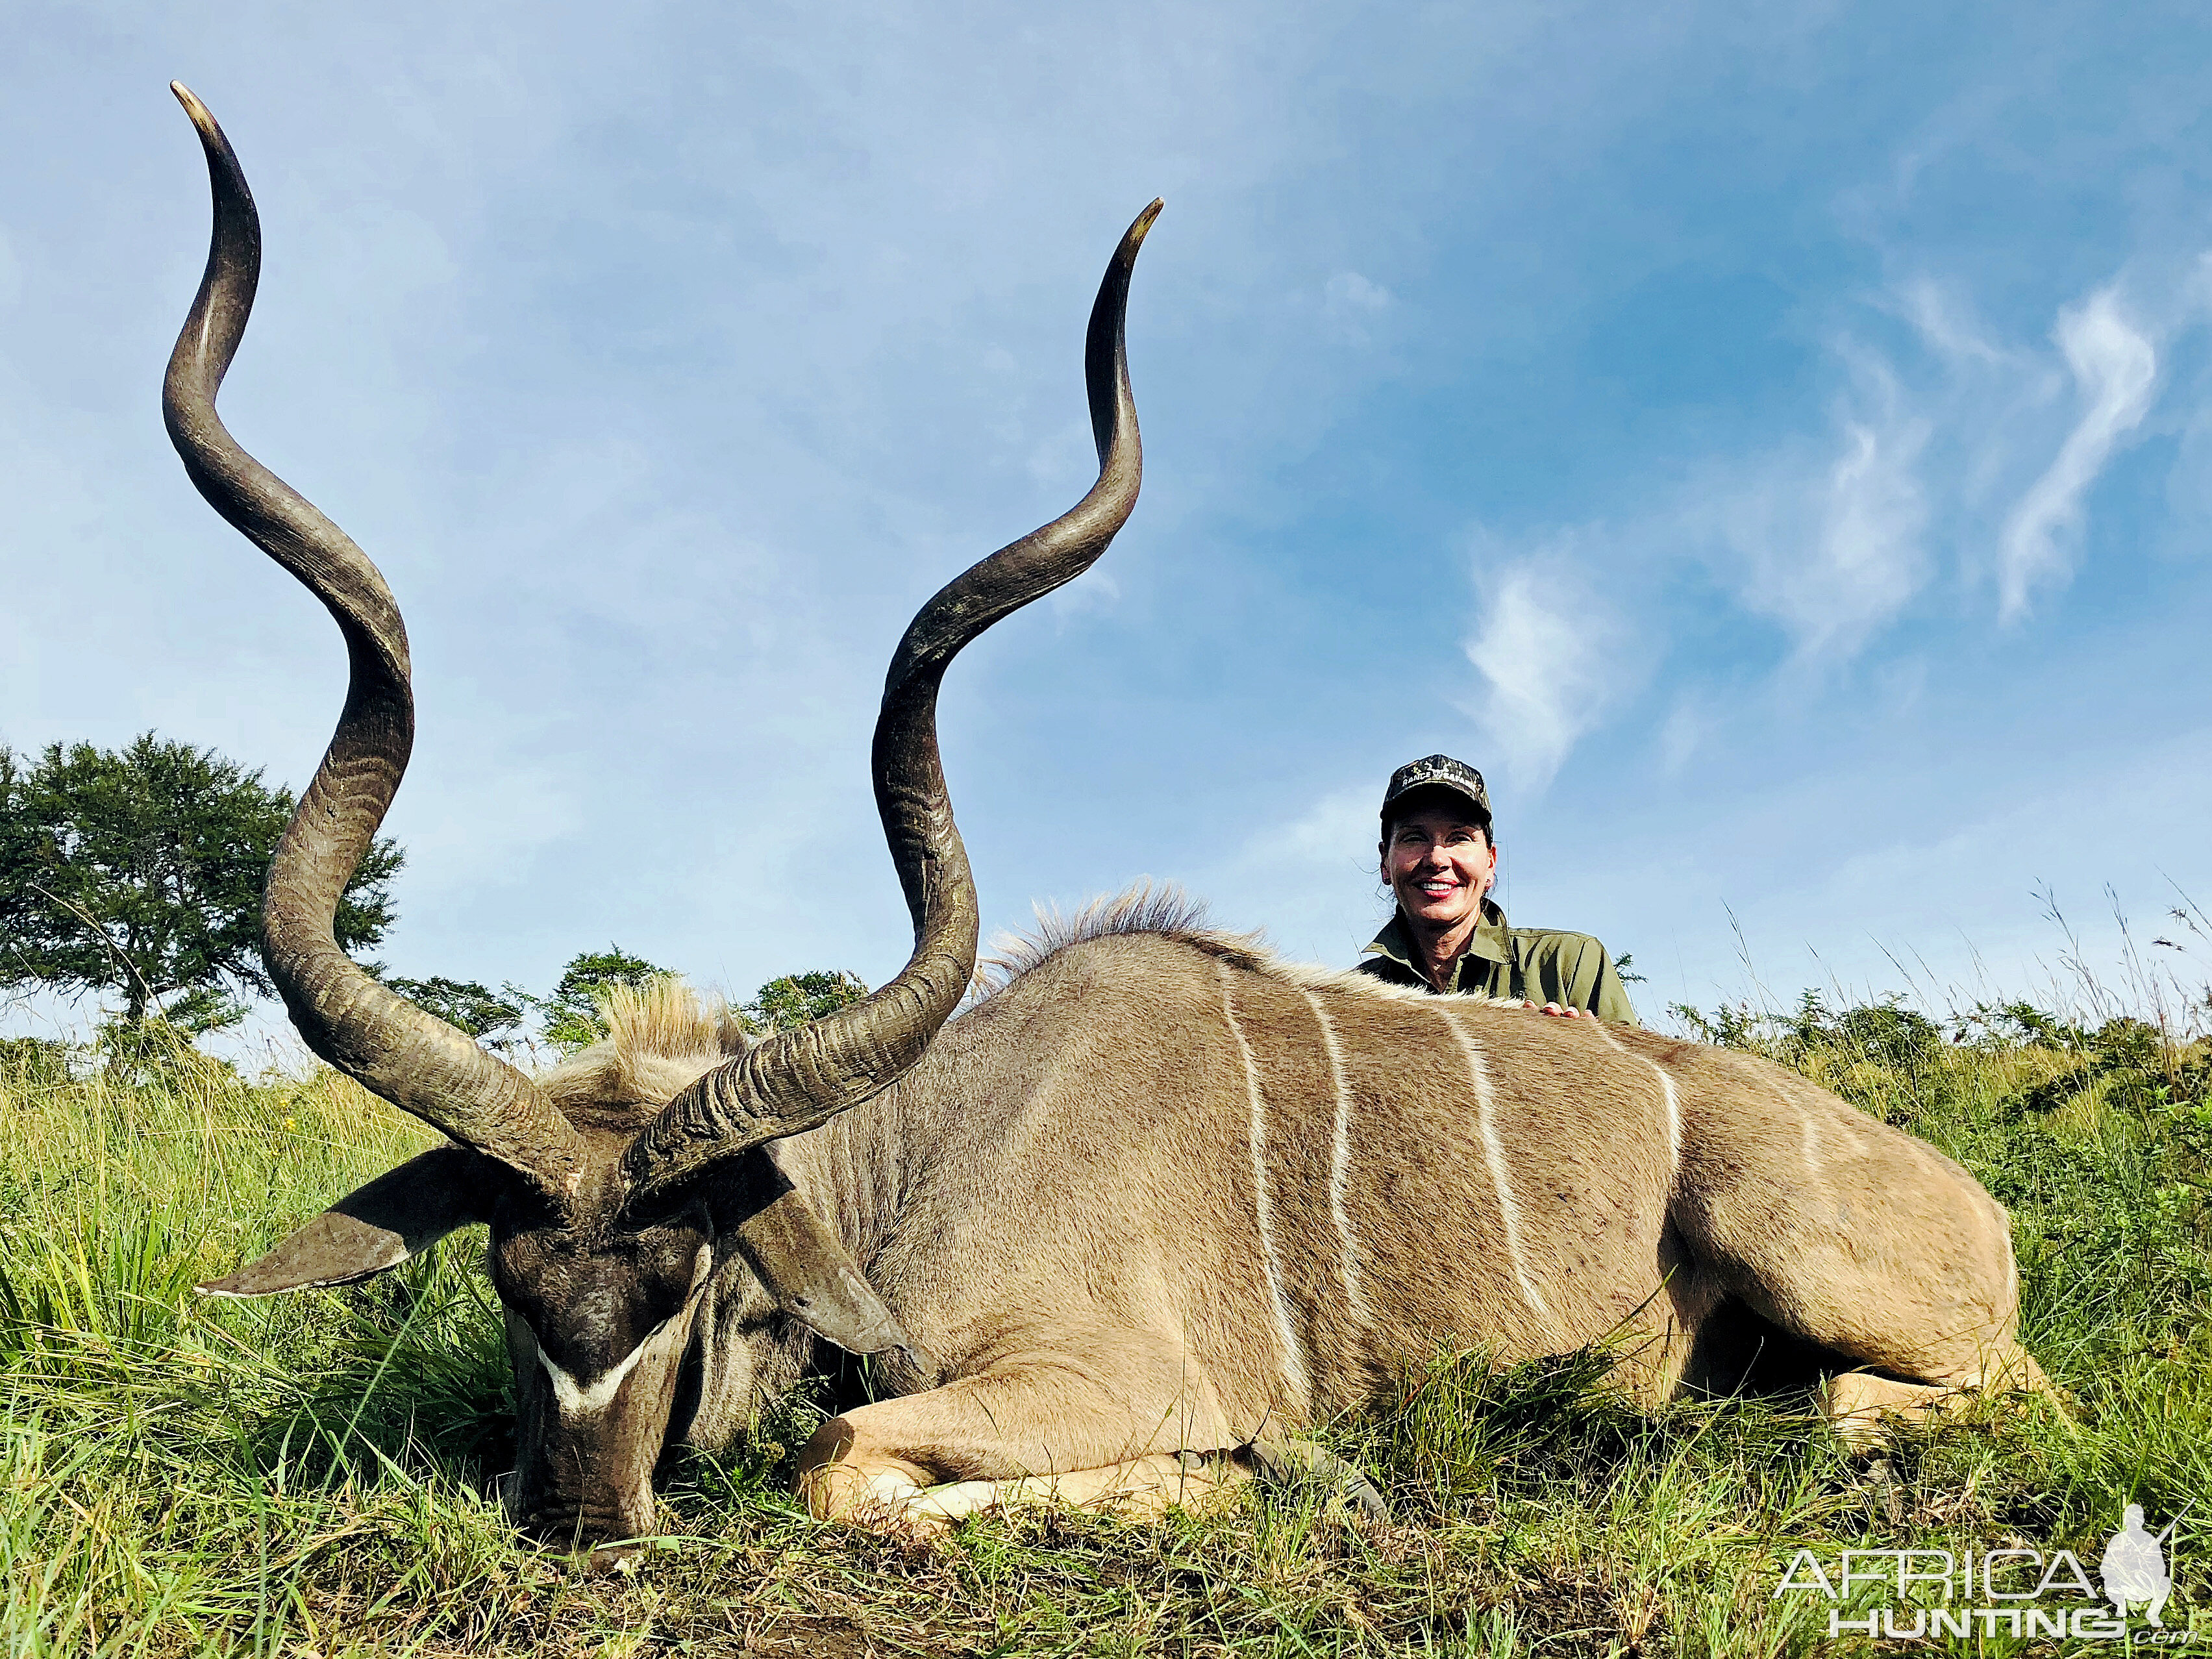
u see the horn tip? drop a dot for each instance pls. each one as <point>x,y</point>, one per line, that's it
<point>1143,221</point>
<point>199,112</point>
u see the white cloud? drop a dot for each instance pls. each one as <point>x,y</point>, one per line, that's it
<point>468,826</point>
<point>1099,590</point>
<point>1339,826</point>
<point>1946,323</point>
<point>1935,450</point>
<point>1685,731</point>
<point>1310,881</point>
<point>2114,367</point>
<point>1833,546</point>
<point>1350,303</point>
<point>1551,655</point>
<point>1930,453</point>
<point>1868,558</point>
<point>1349,292</point>
<point>2188,486</point>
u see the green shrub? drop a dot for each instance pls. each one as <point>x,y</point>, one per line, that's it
<point>28,1062</point>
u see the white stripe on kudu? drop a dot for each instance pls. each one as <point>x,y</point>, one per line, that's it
<point>1493,1152</point>
<point>1673,1099</point>
<point>1294,1364</point>
<point>1340,1166</point>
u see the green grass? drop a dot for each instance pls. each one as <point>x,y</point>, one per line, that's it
<point>313,1474</point>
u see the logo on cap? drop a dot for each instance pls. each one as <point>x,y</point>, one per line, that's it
<point>1437,771</point>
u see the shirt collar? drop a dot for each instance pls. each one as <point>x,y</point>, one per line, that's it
<point>1489,940</point>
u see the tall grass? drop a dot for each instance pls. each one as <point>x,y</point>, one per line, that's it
<point>317,1474</point>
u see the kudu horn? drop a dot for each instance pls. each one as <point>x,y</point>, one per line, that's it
<point>412,1059</point>
<point>803,1078</point>
<point>793,1081</point>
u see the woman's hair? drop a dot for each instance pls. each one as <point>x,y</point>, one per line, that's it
<point>1429,800</point>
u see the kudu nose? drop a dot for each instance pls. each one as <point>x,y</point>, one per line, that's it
<point>562,1531</point>
<point>565,1521</point>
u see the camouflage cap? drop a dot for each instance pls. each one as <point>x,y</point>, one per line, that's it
<point>1438,772</point>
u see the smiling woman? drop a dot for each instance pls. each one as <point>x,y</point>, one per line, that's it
<point>1440,856</point>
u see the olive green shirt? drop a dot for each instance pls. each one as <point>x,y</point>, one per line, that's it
<point>1531,964</point>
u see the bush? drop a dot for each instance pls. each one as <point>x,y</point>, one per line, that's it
<point>34,1062</point>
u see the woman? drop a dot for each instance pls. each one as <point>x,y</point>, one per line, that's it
<point>1440,857</point>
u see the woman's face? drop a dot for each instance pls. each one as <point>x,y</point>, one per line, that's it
<point>1439,864</point>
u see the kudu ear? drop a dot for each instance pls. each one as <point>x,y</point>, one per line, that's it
<point>399,1214</point>
<point>802,1263</point>
<point>806,1267</point>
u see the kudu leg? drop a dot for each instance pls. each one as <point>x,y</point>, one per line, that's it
<point>1105,1435</point>
<point>1145,1488</point>
<point>1862,1406</point>
<point>1867,1243</point>
<point>1139,1489</point>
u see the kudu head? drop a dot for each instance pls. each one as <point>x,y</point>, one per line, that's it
<point>608,1216</point>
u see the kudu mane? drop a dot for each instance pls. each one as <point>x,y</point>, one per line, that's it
<point>662,1038</point>
<point>1164,910</point>
<point>1162,907</point>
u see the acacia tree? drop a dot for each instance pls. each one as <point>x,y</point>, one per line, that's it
<point>137,872</point>
<point>572,1012</point>
<point>493,1018</point>
<point>795,998</point>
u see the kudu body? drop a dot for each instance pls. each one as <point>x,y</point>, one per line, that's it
<point>1157,1201</point>
<point>1161,1194</point>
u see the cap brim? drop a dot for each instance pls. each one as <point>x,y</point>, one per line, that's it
<point>1481,809</point>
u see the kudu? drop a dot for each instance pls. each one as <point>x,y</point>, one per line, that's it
<point>1152,1205</point>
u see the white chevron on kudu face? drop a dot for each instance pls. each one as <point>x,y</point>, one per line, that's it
<point>577,1399</point>
<point>580,1399</point>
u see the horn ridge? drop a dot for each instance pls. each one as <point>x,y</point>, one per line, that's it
<point>800,1079</point>
<point>403,1053</point>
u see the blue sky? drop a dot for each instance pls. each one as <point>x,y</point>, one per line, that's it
<point>1774,443</point>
